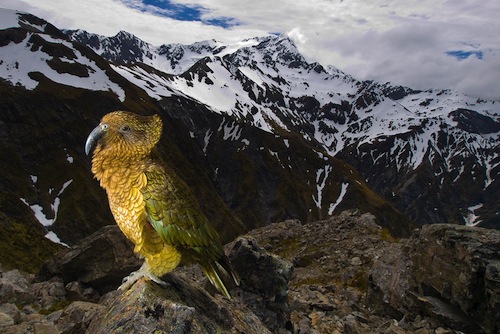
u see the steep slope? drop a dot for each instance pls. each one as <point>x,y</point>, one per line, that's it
<point>265,178</point>
<point>446,167</point>
<point>433,154</point>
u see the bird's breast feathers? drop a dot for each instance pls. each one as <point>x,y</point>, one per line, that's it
<point>127,204</point>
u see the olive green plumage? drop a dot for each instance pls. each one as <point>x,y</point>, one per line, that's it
<point>153,207</point>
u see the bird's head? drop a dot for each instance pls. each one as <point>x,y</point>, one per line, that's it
<point>123,133</point>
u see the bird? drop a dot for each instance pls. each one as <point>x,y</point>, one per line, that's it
<point>151,204</point>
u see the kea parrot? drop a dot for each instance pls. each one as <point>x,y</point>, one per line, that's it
<point>153,207</point>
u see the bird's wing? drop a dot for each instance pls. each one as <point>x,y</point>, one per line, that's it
<point>175,214</point>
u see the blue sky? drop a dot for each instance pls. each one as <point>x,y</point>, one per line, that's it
<point>180,12</point>
<point>446,44</point>
<point>461,55</point>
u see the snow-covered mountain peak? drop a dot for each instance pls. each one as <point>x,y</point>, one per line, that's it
<point>35,51</point>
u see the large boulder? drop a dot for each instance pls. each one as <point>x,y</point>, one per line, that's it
<point>101,260</point>
<point>264,282</point>
<point>183,306</point>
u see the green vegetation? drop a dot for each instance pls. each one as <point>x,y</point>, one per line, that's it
<point>23,247</point>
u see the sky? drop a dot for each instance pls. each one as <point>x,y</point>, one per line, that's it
<point>422,44</point>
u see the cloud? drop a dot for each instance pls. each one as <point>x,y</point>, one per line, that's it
<point>417,55</point>
<point>405,42</point>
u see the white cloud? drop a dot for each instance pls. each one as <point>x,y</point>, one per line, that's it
<point>386,40</point>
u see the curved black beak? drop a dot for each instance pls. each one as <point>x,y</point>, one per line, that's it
<point>94,137</point>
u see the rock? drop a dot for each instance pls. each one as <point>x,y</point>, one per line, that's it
<point>259,305</point>
<point>181,307</point>
<point>50,292</point>
<point>388,282</point>
<point>78,291</point>
<point>331,258</point>
<point>45,329</point>
<point>348,277</point>
<point>5,320</point>
<point>100,261</point>
<point>264,282</point>
<point>354,326</point>
<point>14,288</point>
<point>392,328</point>
<point>356,261</point>
<point>77,317</point>
<point>449,262</point>
<point>16,329</point>
<point>11,310</point>
<point>492,290</point>
<point>447,272</point>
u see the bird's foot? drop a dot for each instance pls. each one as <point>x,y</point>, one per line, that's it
<point>134,276</point>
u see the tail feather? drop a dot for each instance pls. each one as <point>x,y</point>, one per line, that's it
<point>224,262</point>
<point>212,272</point>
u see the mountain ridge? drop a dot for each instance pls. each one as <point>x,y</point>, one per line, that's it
<point>268,84</point>
<point>253,126</point>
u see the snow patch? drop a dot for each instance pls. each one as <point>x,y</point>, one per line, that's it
<point>472,219</point>
<point>38,210</point>
<point>252,75</point>
<point>321,178</point>
<point>154,85</point>
<point>343,191</point>
<point>9,19</point>
<point>232,131</point>
<point>54,238</point>
<point>206,141</point>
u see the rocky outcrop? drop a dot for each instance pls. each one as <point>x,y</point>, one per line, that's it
<point>341,275</point>
<point>188,304</point>
<point>447,272</point>
<point>331,260</point>
<point>352,276</point>
<point>183,306</point>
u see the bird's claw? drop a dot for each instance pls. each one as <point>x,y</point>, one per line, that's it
<point>134,276</point>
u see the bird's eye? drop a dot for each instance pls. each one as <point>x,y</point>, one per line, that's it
<point>125,128</point>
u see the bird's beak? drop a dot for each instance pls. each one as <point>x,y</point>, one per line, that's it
<point>94,137</point>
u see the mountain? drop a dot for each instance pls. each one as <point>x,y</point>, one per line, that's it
<point>433,154</point>
<point>246,168</point>
<point>256,130</point>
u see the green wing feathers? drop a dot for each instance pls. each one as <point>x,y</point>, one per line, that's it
<point>176,216</point>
